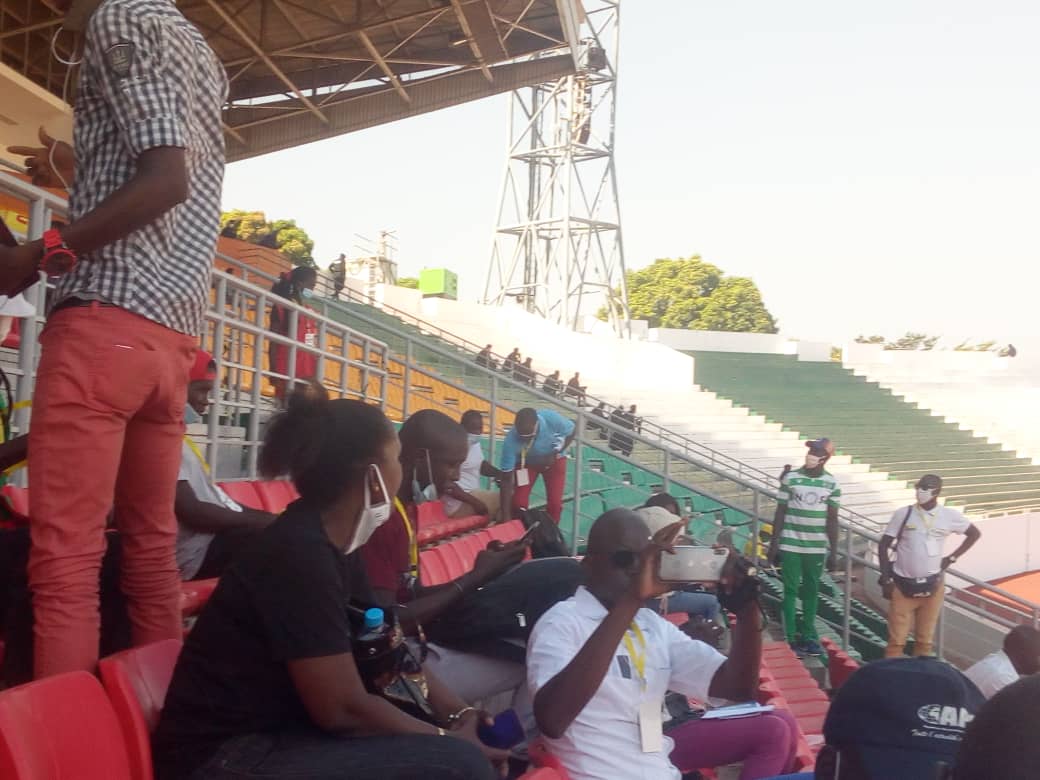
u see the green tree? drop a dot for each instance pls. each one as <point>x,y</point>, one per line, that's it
<point>410,282</point>
<point>283,234</point>
<point>689,293</point>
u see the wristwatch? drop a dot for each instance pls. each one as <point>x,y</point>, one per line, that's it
<point>58,258</point>
<point>953,558</point>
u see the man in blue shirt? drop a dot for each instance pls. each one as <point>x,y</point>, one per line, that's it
<point>535,445</point>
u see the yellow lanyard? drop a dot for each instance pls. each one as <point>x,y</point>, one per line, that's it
<point>198,453</point>
<point>413,544</point>
<point>926,519</point>
<point>638,659</point>
<point>523,456</point>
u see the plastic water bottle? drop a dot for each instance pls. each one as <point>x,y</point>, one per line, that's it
<point>374,628</point>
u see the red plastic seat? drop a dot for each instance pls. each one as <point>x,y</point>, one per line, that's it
<point>136,681</point>
<point>18,498</point>
<point>454,560</point>
<point>545,773</point>
<point>275,495</point>
<point>61,728</point>
<point>841,668</point>
<point>432,570</point>
<point>195,594</point>
<point>543,759</point>
<point>243,493</point>
<point>430,512</point>
<point>507,532</point>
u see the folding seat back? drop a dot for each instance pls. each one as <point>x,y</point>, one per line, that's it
<point>275,495</point>
<point>136,681</point>
<point>244,493</point>
<point>61,728</point>
<point>432,569</point>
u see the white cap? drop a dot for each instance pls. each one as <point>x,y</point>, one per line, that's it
<point>657,517</point>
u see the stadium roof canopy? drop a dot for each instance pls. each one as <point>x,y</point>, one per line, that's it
<point>304,70</point>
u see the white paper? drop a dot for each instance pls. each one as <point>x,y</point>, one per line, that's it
<point>737,711</point>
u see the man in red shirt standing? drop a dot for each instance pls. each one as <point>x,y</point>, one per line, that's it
<point>134,274</point>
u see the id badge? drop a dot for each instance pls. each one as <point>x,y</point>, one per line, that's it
<point>522,478</point>
<point>651,728</point>
<point>310,339</point>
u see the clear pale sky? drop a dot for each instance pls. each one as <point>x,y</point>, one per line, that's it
<point>872,166</point>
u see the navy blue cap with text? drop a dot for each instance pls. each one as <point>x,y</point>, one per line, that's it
<point>905,716</point>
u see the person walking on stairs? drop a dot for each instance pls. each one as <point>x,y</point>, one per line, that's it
<point>804,527</point>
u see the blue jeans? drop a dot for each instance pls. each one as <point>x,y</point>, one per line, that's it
<point>703,605</point>
<point>317,756</point>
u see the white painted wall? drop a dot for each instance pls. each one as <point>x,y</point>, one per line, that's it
<point>717,341</point>
<point>757,343</point>
<point>1010,544</point>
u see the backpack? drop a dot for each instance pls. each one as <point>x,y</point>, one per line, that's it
<point>497,619</point>
<point>548,541</point>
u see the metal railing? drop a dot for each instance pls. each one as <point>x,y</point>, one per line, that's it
<point>350,364</point>
<point>239,307</point>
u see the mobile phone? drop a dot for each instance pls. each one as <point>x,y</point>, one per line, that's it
<point>693,564</point>
<point>529,533</point>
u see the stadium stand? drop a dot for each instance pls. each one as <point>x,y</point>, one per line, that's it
<point>875,426</point>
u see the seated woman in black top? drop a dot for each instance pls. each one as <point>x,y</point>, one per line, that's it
<point>266,685</point>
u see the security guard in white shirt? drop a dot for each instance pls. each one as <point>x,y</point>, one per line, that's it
<point>914,581</point>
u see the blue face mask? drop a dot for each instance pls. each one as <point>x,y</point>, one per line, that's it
<point>420,494</point>
<point>191,416</point>
<point>306,293</point>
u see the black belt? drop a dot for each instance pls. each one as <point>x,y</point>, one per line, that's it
<point>78,303</point>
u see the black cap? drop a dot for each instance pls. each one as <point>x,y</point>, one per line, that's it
<point>904,715</point>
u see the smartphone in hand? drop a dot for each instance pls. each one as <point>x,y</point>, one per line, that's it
<point>693,564</point>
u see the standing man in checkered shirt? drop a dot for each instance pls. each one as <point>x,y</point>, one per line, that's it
<point>134,269</point>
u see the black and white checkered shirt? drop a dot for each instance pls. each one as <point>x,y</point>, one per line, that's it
<point>148,80</point>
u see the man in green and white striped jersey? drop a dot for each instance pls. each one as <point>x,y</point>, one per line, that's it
<point>805,526</point>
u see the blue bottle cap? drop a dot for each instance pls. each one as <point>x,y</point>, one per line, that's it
<point>373,617</point>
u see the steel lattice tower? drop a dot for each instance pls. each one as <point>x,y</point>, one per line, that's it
<point>557,244</point>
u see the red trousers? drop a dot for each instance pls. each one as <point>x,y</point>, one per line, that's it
<point>555,476</point>
<point>107,422</point>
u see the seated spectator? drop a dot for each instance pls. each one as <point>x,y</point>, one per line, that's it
<point>598,667</point>
<point>634,419</point>
<point>1020,657</point>
<point>511,361</point>
<point>433,446</point>
<point>525,372</point>
<point>619,442</point>
<point>897,718</point>
<point>1001,742</point>
<point>553,385</point>
<point>575,389</point>
<point>603,413</point>
<point>484,358</point>
<point>464,497</point>
<point>535,445</point>
<point>211,527</point>
<point>696,604</point>
<point>266,684</point>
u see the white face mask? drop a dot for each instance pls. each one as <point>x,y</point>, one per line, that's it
<point>473,438</point>
<point>371,517</point>
<point>190,415</point>
<point>812,461</point>
<point>924,496</point>
<point>423,494</point>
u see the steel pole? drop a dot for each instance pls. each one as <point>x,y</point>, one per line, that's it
<point>847,600</point>
<point>579,435</point>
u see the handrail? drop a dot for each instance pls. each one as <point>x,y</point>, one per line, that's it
<point>758,482</point>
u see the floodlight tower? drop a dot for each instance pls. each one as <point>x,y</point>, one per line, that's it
<point>557,245</point>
